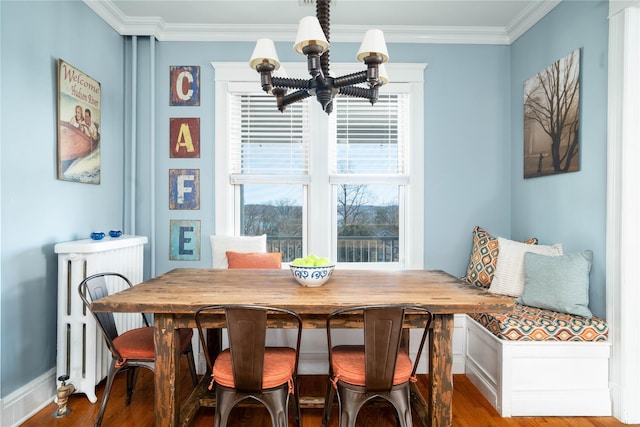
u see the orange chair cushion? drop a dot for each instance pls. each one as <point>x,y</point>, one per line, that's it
<point>348,365</point>
<point>254,259</point>
<point>279,366</point>
<point>138,343</point>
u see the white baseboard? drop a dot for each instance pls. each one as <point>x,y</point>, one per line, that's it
<point>25,402</point>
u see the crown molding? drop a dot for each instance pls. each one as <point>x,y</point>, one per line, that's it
<point>162,31</point>
<point>529,17</point>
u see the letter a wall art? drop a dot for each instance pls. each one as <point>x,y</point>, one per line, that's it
<point>184,137</point>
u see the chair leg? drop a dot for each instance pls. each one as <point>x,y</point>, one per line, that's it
<point>113,371</point>
<point>350,403</point>
<point>276,402</point>
<point>328,403</point>
<point>296,403</point>
<point>400,400</point>
<point>225,401</point>
<point>132,375</point>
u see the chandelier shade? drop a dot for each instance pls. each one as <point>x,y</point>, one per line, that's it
<point>373,44</point>
<point>310,32</point>
<point>265,51</point>
<point>312,40</point>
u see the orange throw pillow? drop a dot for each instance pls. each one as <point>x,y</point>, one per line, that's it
<point>254,259</point>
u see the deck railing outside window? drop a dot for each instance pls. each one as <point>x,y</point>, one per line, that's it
<point>350,248</point>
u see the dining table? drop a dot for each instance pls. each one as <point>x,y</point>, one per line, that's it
<point>174,297</point>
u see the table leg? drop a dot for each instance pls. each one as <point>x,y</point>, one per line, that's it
<point>440,371</point>
<point>166,403</point>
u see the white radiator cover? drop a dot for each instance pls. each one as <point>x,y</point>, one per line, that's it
<point>82,352</point>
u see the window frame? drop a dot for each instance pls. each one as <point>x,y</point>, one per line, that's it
<point>321,210</point>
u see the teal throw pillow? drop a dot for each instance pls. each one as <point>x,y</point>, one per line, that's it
<point>558,283</point>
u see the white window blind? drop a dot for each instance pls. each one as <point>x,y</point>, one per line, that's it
<point>370,140</point>
<point>264,141</point>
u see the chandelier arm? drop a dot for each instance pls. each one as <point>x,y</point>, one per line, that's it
<point>350,79</point>
<point>265,69</point>
<point>290,98</point>
<point>360,92</point>
<point>290,83</point>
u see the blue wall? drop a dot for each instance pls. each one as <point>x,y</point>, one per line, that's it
<point>37,209</point>
<point>467,105</point>
<point>568,208</point>
<point>473,152</point>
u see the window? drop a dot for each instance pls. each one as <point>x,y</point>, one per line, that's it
<point>347,186</point>
<point>367,149</point>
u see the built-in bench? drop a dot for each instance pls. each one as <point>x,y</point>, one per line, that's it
<point>537,362</point>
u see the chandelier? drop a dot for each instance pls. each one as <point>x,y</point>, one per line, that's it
<point>312,40</point>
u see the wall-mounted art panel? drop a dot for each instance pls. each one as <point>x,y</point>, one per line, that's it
<point>184,135</point>
<point>552,119</point>
<point>78,125</point>
<point>184,189</point>
<point>184,85</point>
<point>185,240</point>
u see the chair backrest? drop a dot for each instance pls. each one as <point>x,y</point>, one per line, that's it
<point>221,244</point>
<point>247,326</point>
<point>383,326</point>
<point>92,289</point>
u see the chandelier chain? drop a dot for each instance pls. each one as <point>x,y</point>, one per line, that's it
<point>324,16</point>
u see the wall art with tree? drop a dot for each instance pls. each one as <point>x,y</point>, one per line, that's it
<point>552,119</point>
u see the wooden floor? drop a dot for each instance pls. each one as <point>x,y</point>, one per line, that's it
<point>469,409</point>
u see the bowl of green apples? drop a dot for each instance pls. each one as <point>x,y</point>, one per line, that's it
<point>311,270</point>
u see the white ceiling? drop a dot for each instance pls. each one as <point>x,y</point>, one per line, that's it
<point>412,21</point>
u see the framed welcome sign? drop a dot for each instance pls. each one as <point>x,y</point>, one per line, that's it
<point>78,125</point>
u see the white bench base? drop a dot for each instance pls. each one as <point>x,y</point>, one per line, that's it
<point>538,378</point>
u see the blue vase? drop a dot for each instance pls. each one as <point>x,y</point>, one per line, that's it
<point>115,233</point>
<point>99,235</point>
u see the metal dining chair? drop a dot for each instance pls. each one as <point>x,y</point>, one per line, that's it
<point>130,349</point>
<point>248,369</point>
<point>378,367</point>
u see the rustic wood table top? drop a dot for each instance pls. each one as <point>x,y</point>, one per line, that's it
<point>183,290</point>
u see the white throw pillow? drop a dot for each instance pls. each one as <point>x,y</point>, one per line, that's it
<point>221,244</point>
<point>509,276</point>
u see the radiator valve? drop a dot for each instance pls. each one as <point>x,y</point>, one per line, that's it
<point>64,391</point>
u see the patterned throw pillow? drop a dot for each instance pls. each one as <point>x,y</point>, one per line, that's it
<point>484,258</point>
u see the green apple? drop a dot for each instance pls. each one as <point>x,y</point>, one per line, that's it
<point>304,262</point>
<point>311,260</point>
<point>322,262</point>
